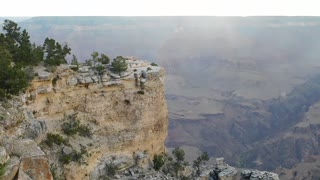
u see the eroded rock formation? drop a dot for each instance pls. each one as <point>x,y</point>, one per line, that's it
<point>120,119</point>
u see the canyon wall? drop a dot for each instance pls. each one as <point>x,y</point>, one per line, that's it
<point>127,121</point>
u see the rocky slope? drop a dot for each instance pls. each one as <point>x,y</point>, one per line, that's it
<point>120,120</point>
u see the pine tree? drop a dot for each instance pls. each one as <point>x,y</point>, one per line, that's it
<point>119,65</point>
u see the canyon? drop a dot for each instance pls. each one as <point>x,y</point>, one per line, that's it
<point>242,88</point>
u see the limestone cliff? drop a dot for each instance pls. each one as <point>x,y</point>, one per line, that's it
<point>123,120</point>
<point>126,117</point>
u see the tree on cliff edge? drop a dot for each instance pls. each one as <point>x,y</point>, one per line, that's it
<point>55,53</point>
<point>119,65</point>
<point>12,78</point>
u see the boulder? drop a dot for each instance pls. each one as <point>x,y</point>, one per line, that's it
<point>72,81</point>
<point>44,76</point>
<point>35,128</point>
<point>105,77</point>
<point>258,175</point>
<point>84,78</point>
<point>4,156</point>
<point>263,175</point>
<point>11,169</point>
<point>144,74</point>
<point>118,163</point>
<point>122,162</point>
<point>95,78</point>
<point>84,69</point>
<point>246,174</point>
<point>142,160</point>
<point>25,148</point>
<point>223,171</point>
<point>24,176</point>
<point>220,161</point>
<point>227,172</point>
<point>67,150</point>
<point>36,167</point>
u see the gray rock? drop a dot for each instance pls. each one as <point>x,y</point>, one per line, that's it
<point>142,160</point>
<point>81,79</point>
<point>84,69</point>
<point>72,66</point>
<point>139,155</point>
<point>67,150</point>
<point>28,114</point>
<point>228,172</point>
<point>44,75</point>
<point>131,172</point>
<point>119,163</point>
<point>24,176</point>
<point>12,168</point>
<point>35,128</point>
<point>117,176</point>
<point>263,175</point>
<point>122,162</point>
<point>220,161</point>
<point>25,148</point>
<point>4,157</point>
<point>88,80</point>
<point>84,78</point>
<point>105,77</point>
<point>256,175</point>
<point>43,90</point>
<point>272,176</point>
<point>72,81</point>
<point>246,174</point>
<point>95,78</point>
<point>143,74</point>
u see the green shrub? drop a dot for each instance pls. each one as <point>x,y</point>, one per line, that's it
<point>154,64</point>
<point>177,166</point>
<point>179,154</point>
<point>55,138</point>
<point>65,159</point>
<point>73,127</point>
<point>158,162</point>
<point>110,170</point>
<point>141,92</point>
<point>73,156</point>
<point>13,79</point>
<point>200,160</point>
<point>149,68</point>
<point>85,131</point>
<point>100,69</point>
<point>28,70</point>
<point>2,169</point>
<point>54,80</point>
<point>70,127</point>
<point>53,170</point>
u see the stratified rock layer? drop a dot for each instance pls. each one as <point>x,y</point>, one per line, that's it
<point>123,118</point>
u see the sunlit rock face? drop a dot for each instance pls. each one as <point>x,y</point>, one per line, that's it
<point>124,117</point>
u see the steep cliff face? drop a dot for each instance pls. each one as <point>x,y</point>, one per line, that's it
<point>124,120</point>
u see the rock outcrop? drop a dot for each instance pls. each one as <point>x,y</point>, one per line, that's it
<point>123,118</point>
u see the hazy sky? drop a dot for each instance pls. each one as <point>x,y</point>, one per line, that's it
<point>159,7</point>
